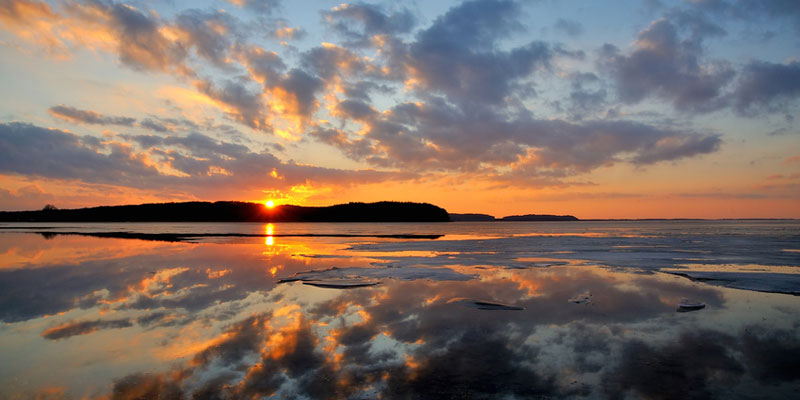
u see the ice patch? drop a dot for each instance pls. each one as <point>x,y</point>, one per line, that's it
<point>484,304</point>
<point>687,305</point>
<point>341,283</point>
<point>773,279</point>
<point>711,243</point>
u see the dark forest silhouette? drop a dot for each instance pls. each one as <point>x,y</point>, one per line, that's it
<point>471,217</point>
<point>234,211</point>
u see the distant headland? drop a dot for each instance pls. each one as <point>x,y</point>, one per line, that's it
<point>234,211</point>
<point>526,217</point>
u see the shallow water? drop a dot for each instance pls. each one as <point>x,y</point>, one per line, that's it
<point>518,310</point>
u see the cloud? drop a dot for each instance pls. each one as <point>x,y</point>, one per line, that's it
<point>298,91</point>
<point>139,41</point>
<point>264,66</point>
<point>329,61</point>
<point>88,117</point>
<point>584,100</point>
<point>240,101</point>
<point>155,126</point>
<point>66,330</point>
<point>357,110</point>
<point>210,33</point>
<point>722,195</point>
<point>457,55</point>
<point>568,27</point>
<point>767,87</point>
<point>663,64</point>
<point>196,164</point>
<point>676,147</point>
<point>291,94</point>
<point>263,7</point>
<point>152,123</point>
<point>777,9</point>
<point>33,21</point>
<point>752,11</point>
<point>357,149</point>
<point>594,143</point>
<point>370,20</point>
<point>61,155</point>
<point>460,95</point>
<point>439,136</point>
<point>20,12</point>
<point>460,74</point>
<point>144,386</point>
<point>282,31</point>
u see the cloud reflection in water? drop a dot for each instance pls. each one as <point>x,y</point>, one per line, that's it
<point>207,321</point>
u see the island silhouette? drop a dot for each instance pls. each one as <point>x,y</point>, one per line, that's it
<point>472,217</point>
<point>237,211</point>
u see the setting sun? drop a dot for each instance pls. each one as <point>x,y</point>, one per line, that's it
<point>269,203</point>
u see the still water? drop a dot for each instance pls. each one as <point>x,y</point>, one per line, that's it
<point>487,310</point>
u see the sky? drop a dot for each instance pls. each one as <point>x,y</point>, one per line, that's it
<point>613,109</point>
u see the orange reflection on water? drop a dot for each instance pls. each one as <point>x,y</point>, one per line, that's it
<point>411,362</point>
<point>160,279</point>
<point>212,274</point>
<point>190,341</point>
<point>530,286</point>
<point>285,326</point>
<point>33,250</point>
<point>269,230</point>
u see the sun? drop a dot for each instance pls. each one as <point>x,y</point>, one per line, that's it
<point>269,203</point>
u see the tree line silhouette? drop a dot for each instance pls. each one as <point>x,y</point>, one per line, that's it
<point>235,211</point>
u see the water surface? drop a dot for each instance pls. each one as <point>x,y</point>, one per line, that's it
<point>514,309</point>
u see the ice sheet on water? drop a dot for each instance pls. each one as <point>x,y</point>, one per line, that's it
<point>774,282</point>
<point>484,304</point>
<point>341,283</point>
<point>722,247</point>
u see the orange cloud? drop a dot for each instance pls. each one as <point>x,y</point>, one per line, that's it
<point>135,37</point>
<point>23,12</point>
